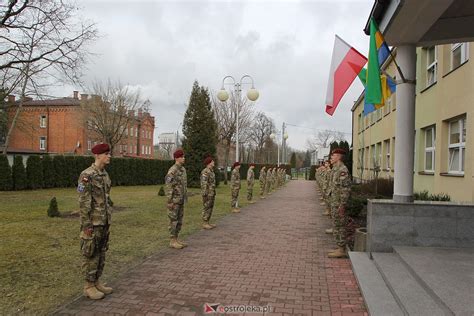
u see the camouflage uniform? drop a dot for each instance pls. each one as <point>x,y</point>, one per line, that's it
<point>208,192</point>
<point>274,180</point>
<point>250,183</point>
<point>339,193</point>
<point>268,182</point>
<point>176,190</point>
<point>235,187</point>
<point>262,180</point>
<point>95,212</point>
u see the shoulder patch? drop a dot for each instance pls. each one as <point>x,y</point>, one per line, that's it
<point>81,187</point>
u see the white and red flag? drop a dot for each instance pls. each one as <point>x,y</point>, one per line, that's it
<point>346,64</point>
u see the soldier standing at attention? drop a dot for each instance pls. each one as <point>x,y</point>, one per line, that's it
<point>95,217</point>
<point>250,183</point>
<point>208,192</point>
<point>176,190</point>
<point>235,187</point>
<point>262,181</point>
<point>340,192</point>
<point>269,183</point>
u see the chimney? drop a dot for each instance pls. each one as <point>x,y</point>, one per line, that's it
<point>11,98</point>
<point>76,95</point>
<point>84,96</point>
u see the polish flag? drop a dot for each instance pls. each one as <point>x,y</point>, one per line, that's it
<point>345,66</point>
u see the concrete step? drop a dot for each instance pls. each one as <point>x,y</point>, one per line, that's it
<point>378,298</point>
<point>446,273</point>
<point>410,295</point>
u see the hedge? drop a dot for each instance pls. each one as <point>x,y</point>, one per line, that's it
<point>63,171</point>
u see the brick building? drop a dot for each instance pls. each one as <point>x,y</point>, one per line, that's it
<point>57,126</point>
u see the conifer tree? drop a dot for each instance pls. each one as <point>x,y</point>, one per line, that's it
<point>293,160</point>
<point>18,173</point>
<point>34,172</point>
<point>200,133</point>
<point>6,181</point>
<point>49,174</point>
<point>53,208</point>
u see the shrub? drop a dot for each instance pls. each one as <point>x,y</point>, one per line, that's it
<point>426,196</point>
<point>49,174</point>
<point>53,208</point>
<point>6,181</point>
<point>34,172</point>
<point>18,173</point>
<point>355,205</point>
<point>162,191</point>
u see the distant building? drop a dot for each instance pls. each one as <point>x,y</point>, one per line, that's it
<point>57,126</point>
<point>167,144</point>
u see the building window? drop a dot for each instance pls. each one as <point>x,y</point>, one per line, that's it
<point>43,121</point>
<point>374,157</point>
<point>136,132</point>
<point>457,145</point>
<point>378,155</point>
<point>388,105</point>
<point>89,125</point>
<point>42,143</point>
<point>89,145</point>
<point>430,143</point>
<point>432,65</point>
<point>459,54</point>
<point>386,144</point>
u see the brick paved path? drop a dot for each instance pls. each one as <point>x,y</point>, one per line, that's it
<point>272,253</point>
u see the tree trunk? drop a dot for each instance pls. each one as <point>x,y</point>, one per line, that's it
<point>226,161</point>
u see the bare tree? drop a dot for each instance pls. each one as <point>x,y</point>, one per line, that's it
<point>226,117</point>
<point>111,111</point>
<point>42,43</point>
<point>261,129</point>
<point>324,138</point>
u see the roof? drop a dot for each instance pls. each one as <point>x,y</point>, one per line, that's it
<point>57,102</point>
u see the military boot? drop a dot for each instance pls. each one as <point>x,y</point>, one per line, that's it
<point>326,212</point>
<point>339,253</point>
<point>175,244</point>
<point>91,291</point>
<point>235,210</point>
<point>206,225</point>
<point>102,288</point>
<point>322,203</point>
<point>262,197</point>
<point>181,242</point>
<point>213,225</point>
<point>329,231</point>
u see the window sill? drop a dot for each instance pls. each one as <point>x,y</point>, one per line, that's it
<point>454,69</point>
<point>456,175</point>
<point>426,173</point>
<point>433,84</point>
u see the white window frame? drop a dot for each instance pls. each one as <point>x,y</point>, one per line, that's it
<point>461,146</point>
<point>136,132</point>
<point>387,153</point>
<point>43,120</point>
<point>464,53</point>
<point>433,65</point>
<point>378,151</point>
<point>89,145</point>
<point>42,143</point>
<point>431,149</point>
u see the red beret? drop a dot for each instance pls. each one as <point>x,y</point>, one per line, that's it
<point>178,154</point>
<point>100,149</point>
<point>208,160</point>
<point>339,151</point>
<point>252,165</point>
<point>236,164</point>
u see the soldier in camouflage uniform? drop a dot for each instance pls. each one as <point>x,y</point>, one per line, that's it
<point>274,179</point>
<point>235,187</point>
<point>327,178</point>
<point>95,217</point>
<point>262,180</point>
<point>339,195</point>
<point>176,192</point>
<point>269,185</point>
<point>250,183</point>
<point>208,192</point>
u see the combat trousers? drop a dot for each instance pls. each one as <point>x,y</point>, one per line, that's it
<point>235,197</point>
<point>93,250</point>
<point>175,215</point>
<point>250,192</point>
<point>208,206</point>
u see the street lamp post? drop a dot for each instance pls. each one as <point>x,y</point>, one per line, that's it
<point>223,96</point>
<point>283,138</point>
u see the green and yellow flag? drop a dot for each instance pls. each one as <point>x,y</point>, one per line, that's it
<point>373,92</point>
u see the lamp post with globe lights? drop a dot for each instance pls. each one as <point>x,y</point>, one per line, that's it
<point>223,96</point>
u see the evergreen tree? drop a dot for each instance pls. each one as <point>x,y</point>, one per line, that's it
<point>307,160</point>
<point>49,174</point>
<point>6,181</point>
<point>18,173</point>
<point>34,172</point>
<point>200,133</point>
<point>161,192</point>
<point>293,160</point>
<point>61,179</point>
<point>53,208</point>
<point>71,174</point>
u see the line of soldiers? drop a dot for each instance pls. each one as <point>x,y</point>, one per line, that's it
<point>335,187</point>
<point>96,207</point>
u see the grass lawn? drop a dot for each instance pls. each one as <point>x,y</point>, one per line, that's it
<point>40,256</point>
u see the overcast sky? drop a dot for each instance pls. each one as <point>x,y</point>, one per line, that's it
<point>163,46</point>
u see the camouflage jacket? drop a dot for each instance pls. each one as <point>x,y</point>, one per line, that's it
<point>235,180</point>
<point>250,177</point>
<point>340,182</point>
<point>94,197</point>
<point>261,178</point>
<point>269,177</point>
<point>208,182</point>
<point>176,185</point>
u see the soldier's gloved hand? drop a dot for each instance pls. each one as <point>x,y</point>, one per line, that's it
<point>88,231</point>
